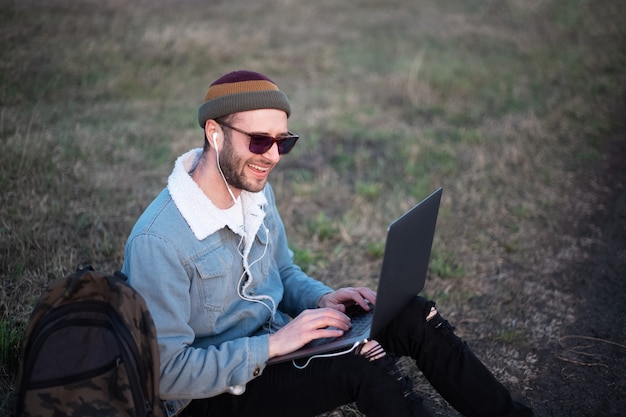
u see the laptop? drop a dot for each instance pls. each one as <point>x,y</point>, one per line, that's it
<point>402,277</point>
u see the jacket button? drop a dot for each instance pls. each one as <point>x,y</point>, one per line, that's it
<point>256,372</point>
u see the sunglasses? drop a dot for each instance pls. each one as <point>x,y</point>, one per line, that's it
<point>262,142</point>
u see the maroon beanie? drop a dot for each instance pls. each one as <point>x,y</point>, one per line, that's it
<point>241,91</point>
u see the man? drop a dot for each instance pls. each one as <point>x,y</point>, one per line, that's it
<point>210,256</point>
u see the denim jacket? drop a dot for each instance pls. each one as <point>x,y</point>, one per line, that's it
<point>215,294</point>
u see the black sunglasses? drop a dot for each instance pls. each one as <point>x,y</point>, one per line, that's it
<point>262,142</point>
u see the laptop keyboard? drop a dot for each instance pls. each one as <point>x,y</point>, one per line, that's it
<point>360,319</point>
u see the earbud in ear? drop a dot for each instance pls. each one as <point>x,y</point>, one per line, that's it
<point>215,140</point>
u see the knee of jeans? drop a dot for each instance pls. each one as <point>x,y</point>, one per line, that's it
<point>422,306</point>
<point>439,329</point>
<point>413,317</point>
<point>439,323</point>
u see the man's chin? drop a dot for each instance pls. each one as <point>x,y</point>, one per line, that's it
<point>255,186</point>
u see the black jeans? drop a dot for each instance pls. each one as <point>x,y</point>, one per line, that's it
<point>444,359</point>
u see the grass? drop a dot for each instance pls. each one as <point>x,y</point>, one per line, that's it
<point>503,104</point>
<point>11,334</point>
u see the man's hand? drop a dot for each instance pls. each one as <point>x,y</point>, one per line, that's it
<point>307,326</point>
<point>325,322</point>
<point>343,297</point>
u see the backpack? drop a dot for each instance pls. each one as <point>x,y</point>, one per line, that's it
<point>89,350</point>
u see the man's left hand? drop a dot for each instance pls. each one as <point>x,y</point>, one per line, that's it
<point>348,296</point>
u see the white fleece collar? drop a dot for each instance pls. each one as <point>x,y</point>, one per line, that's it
<point>202,216</point>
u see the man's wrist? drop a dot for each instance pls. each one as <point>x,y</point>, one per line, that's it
<point>321,301</point>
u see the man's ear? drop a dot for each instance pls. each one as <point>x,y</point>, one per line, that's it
<point>211,132</point>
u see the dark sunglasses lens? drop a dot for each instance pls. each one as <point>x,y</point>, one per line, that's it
<point>286,145</point>
<point>260,143</point>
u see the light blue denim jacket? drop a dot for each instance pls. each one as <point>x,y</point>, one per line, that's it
<point>214,294</point>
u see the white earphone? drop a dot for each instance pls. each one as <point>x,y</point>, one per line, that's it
<point>217,161</point>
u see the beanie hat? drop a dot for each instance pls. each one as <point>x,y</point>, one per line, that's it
<point>240,91</point>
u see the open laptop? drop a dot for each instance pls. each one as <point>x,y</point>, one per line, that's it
<point>402,277</point>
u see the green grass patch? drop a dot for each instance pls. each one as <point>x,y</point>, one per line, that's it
<point>375,250</point>
<point>512,336</point>
<point>444,265</point>
<point>368,190</point>
<point>11,335</point>
<point>323,227</point>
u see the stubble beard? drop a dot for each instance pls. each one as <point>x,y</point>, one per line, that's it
<point>233,168</point>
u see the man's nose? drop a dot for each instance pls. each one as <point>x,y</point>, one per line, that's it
<point>272,153</point>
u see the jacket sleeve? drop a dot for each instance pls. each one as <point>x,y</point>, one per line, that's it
<point>300,290</point>
<point>187,372</point>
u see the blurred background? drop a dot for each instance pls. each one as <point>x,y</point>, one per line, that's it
<point>515,108</point>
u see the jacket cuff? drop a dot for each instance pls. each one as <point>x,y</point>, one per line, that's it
<point>259,354</point>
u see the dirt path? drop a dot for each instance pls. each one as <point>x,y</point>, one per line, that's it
<point>584,372</point>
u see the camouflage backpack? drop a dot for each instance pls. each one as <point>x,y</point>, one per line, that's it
<point>89,350</point>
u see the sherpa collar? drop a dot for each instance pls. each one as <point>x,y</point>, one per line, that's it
<point>202,216</point>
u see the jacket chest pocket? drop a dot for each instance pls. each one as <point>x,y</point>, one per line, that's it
<point>216,286</point>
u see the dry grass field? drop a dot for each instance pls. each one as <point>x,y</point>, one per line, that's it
<point>516,108</point>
